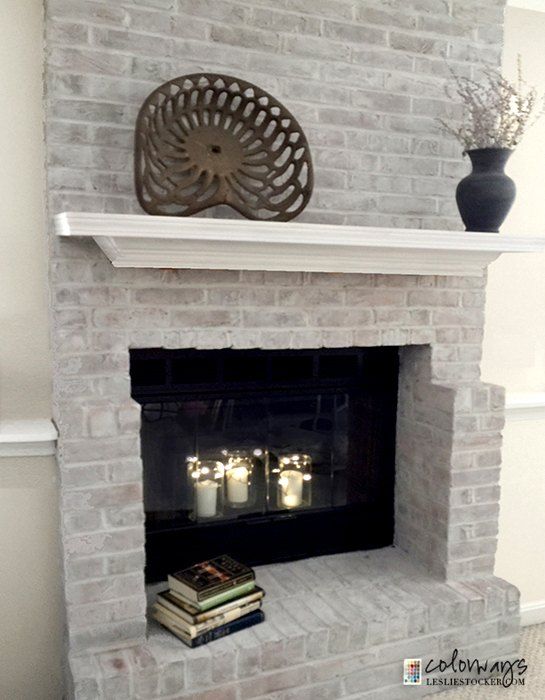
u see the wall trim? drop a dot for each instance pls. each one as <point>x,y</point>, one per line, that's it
<point>532,613</point>
<point>28,438</point>
<point>535,5</point>
<point>525,405</point>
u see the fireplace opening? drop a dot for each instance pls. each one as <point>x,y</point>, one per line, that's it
<point>265,455</point>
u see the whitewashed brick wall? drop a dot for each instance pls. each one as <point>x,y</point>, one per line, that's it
<point>364,78</point>
<point>366,81</point>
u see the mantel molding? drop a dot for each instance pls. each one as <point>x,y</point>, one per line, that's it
<point>235,244</point>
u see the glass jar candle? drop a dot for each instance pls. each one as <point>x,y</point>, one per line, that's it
<point>207,476</point>
<point>238,477</point>
<point>294,478</point>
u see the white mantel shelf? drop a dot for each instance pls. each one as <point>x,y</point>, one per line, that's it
<point>238,244</point>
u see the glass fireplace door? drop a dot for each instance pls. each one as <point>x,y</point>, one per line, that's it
<point>240,447</point>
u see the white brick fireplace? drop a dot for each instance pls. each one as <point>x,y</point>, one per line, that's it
<point>348,620</point>
<point>366,82</point>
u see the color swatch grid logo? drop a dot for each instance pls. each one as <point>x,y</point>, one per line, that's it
<point>412,672</point>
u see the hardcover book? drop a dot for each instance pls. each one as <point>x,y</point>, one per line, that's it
<point>219,599</point>
<point>249,620</point>
<point>209,578</point>
<point>191,614</point>
<point>223,619</point>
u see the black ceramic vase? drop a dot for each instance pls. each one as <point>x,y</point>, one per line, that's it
<point>486,195</point>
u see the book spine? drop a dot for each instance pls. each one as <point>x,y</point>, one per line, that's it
<point>223,619</point>
<point>225,596</point>
<point>210,614</point>
<point>175,629</point>
<point>242,623</point>
<point>176,610</point>
<point>221,587</point>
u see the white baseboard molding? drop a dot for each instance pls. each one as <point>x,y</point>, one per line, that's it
<point>532,613</point>
<point>525,406</point>
<point>28,438</point>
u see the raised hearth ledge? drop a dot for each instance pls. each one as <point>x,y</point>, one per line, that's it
<point>238,244</point>
<point>339,623</point>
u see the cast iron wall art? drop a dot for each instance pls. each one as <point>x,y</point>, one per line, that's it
<point>207,139</point>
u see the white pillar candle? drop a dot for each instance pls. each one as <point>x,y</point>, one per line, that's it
<point>237,485</point>
<point>291,488</point>
<point>207,498</point>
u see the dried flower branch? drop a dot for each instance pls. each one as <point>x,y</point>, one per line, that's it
<point>497,112</point>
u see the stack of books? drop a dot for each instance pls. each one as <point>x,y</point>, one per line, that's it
<point>210,600</point>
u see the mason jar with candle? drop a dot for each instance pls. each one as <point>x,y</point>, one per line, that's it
<point>239,466</point>
<point>294,477</point>
<point>207,478</point>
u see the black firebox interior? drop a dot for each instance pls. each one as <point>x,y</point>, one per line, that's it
<point>331,410</point>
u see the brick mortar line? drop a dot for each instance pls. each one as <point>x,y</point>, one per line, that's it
<point>451,40</point>
<point>280,49</point>
<point>284,81</point>
<point>317,79</point>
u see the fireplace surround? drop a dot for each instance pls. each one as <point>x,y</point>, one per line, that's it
<point>437,589</point>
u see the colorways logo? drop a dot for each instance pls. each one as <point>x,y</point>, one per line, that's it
<point>412,672</point>
<point>460,671</point>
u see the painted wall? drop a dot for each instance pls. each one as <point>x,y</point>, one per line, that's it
<point>515,339</point>
<point>514,348</point>
<point>29,575</point>
<point>30,611</point>
<point>30,606</point>
<point>24,357</point>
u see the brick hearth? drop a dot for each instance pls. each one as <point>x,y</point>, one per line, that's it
<point>336,627</point>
